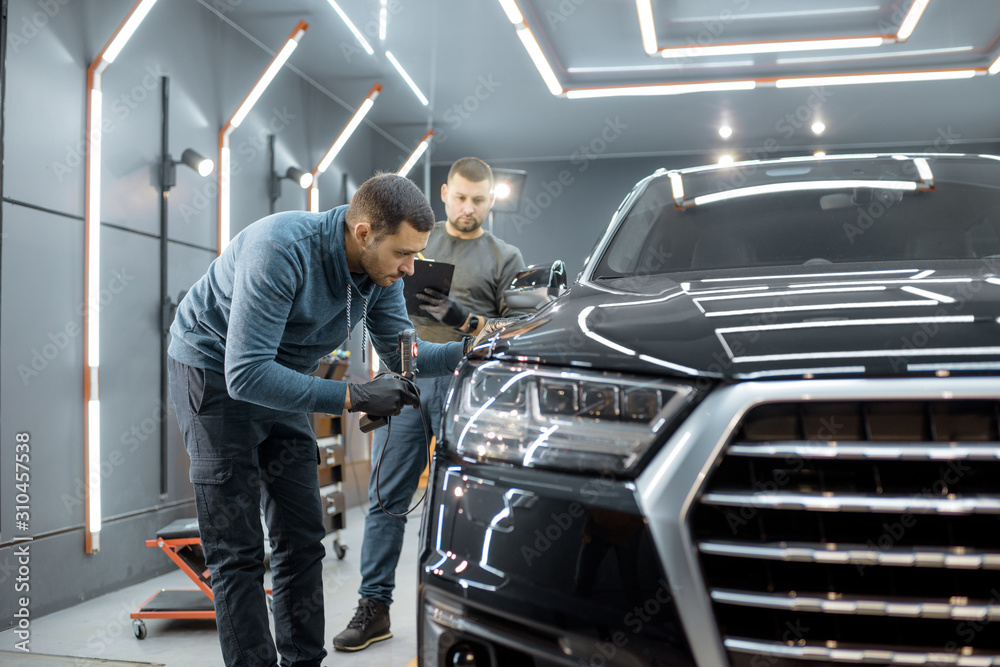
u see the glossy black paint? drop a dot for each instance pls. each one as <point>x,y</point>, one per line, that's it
<point>747,323</point>
<point>555,554</point>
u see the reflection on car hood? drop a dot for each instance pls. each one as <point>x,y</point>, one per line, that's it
<point>798,321</point>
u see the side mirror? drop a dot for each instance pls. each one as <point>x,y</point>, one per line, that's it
<point>537,285</point>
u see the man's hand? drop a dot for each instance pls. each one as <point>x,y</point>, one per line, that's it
<point>443,308</point>
<point>384,396</point>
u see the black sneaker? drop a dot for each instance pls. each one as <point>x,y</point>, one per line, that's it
<point>370,624</point>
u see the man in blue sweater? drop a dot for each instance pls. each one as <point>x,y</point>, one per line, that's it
<point>284,293</point>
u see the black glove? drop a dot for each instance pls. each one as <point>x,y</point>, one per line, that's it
<point>384,396</point>
<point>442,307</point>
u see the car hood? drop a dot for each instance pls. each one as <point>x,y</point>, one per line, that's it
<point>803,321</point>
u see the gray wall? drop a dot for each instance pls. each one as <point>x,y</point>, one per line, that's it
<point>41,284</point>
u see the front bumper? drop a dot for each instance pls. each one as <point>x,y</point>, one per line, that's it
<point>540,568</point>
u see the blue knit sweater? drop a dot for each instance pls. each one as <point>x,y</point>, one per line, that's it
<point>275,302</point>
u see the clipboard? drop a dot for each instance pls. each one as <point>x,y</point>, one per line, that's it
<point>426,273</point>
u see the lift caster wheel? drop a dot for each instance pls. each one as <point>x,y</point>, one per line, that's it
<point>339,549</point>
<point>139,628</point>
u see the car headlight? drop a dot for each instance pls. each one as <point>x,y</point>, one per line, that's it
<point>567,419</point>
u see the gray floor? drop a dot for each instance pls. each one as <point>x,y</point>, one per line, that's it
<point>101,628</point>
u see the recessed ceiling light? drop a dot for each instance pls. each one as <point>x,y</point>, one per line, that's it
<point>725,131</point>
<point>818,127</point>
<point>726,159</point>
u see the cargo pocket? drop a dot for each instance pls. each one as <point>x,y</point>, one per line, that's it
<point>211,471</point>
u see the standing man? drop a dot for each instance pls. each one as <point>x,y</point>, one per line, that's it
<point>283,294</point>
<point>485,266</point>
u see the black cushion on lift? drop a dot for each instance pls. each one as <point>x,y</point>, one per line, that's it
<point>179,529</point>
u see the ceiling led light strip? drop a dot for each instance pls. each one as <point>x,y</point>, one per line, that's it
<point>995,67</point>
<point>647,30</point>
<point>277,62</point>
<point>406,77</point>
<point>92,275</point>
<point>524,33</point>
<point>339,142</point>
<point>647,26</point>
<point>353,28</point>
<point>660,89</point>
<point>750,48</point>
<point>910,22</point>
<point>886,77</point>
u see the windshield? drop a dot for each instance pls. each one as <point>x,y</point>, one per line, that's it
<point>822,211</point>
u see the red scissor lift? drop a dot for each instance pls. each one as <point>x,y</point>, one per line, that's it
<point>181,542</point>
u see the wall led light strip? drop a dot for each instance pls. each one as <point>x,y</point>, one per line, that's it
<point>92,277</point>
<point>338,144</point>
<point>415,156</point>
<point>277,62</point>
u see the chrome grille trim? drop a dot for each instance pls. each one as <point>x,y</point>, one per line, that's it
<point>860,656</point>
<point>894,451</point>
<point>668,487</point>
<point>830,503</point>
<point>858,554</point>
<point>859,606</point>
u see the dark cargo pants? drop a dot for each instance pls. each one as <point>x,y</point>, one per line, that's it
<point>241,454</point>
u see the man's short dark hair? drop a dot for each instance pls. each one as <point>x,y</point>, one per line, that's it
<point>471,169</point>
<point>384,201</point>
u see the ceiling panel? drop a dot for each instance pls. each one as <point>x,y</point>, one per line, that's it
<point>487,98</point>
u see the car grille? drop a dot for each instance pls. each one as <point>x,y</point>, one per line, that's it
<point>856,532</point>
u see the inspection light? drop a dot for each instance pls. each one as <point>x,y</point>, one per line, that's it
<point>995,67</point>
<point>508,189</point>
<point>415,156</point>
<point>383,19</point>
<point>910,22</point>
<point>406,78</point>
<point>725,131</point>
<point>726,159</point>
<point>353,28</point>
<point>339,142</point>
<point>92,277</point>
<point>277,62</point>
<point>819,153</point>
<point>893,77</point>
<point>819,127</point>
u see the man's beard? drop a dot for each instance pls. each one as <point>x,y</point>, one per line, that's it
<point>367,257</point>
<point>466,224</point>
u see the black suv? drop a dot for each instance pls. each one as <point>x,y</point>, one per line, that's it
<point>762,428</point>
